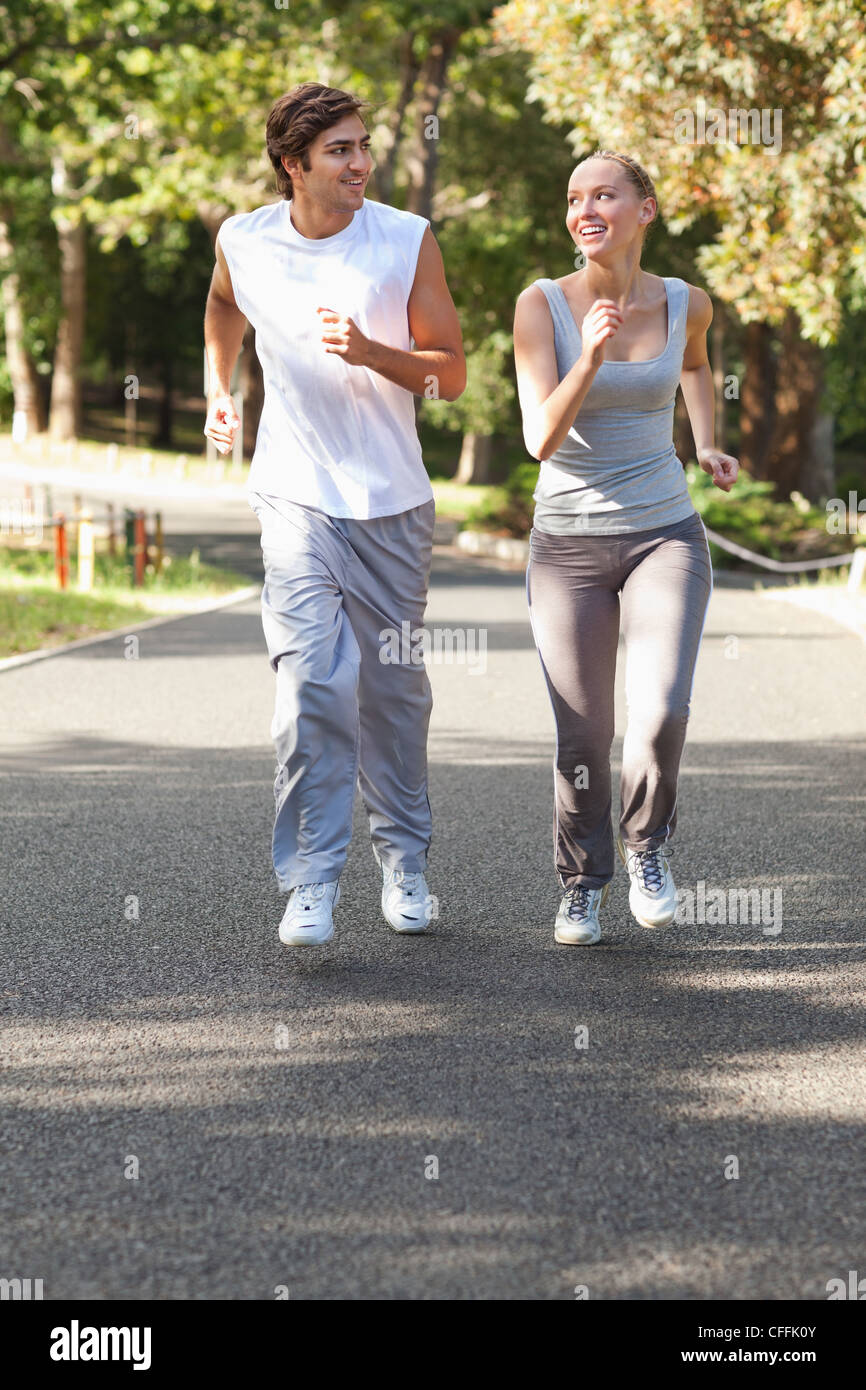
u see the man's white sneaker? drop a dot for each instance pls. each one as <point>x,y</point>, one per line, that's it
<point>406,901</point>
<point>577,921</point>
<point>652,896</point>
<point>308,919</point>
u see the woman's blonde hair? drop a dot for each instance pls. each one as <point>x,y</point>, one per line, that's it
<point>637,175</point>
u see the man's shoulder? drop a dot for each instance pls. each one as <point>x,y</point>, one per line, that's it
<point>256,220</point>
<point>388,216</point>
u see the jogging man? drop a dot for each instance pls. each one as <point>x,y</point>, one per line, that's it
<point>337,288</point>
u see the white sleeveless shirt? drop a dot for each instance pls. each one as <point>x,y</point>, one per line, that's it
<point>332,436</point>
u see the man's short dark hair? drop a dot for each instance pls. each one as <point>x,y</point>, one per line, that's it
<point>297,118</point>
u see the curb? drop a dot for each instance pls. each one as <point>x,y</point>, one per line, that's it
<point>208,606</point>
<point>494,547</point>
<point>842,608</point>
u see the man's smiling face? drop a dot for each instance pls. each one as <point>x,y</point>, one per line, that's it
<point>340,166</point>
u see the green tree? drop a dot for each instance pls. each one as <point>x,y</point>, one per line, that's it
<point>789,242</point>
<point>74,79</point>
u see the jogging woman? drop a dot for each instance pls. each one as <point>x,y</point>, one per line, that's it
<point>616,540</point>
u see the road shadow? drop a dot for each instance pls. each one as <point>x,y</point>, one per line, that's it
<point>281,1109</point>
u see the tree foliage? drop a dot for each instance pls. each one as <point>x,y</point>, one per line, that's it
<point>791,226</point>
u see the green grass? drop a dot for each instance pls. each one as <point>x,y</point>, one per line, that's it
<point>748,514</point>
<point>44,617</point>
<point>456,500</point>
<point>34,613</point>
<point>835,578</point>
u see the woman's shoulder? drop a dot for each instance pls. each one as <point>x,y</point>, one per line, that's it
<point>537,298</point>
<point>542,285</point>
<point>700,314</point>
<point>567,282</point>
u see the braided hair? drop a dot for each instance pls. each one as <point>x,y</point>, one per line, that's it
<point>638,176</point>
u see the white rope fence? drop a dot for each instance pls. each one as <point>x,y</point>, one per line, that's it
<point>517,551</point>
<point>783,566</point>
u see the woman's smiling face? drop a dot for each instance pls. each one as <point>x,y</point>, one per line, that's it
<point>604,211</point>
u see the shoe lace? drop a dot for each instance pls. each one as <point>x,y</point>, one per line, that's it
<point>409,882</point>
<point>308,894</point>
<point>650,868</point>
<point>577,901</point>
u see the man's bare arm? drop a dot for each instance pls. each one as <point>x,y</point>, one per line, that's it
<point>433,324</point>
<point>224,327</point>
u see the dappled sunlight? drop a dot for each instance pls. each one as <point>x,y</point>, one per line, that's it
<point>811,1084</point>
<point>149,1062</point>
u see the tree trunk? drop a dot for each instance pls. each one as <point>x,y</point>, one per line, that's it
<point>130,401</point>
<point>423,159</point>
<point>252,384</point>
<point>383,176</point>
<point>65,420</point>
<point>791,458</point>
<point>824,485</point>
<point>28,403</point>
<point>757,399</point>
<point>475,457</point>
<point>165,418</point>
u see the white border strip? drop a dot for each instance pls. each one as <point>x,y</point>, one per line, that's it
<point>209,606</point>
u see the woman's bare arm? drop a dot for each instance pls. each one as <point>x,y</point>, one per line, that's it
<point>696,381</point>
<point>548,405</point>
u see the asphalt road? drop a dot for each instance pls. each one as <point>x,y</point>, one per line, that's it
<point>280,1108</point>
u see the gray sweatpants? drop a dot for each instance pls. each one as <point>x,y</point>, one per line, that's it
<point>579,587</point>
<point>352,702</point>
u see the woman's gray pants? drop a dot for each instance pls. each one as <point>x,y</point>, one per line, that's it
<point>657,584</point>
<point>353,701</point>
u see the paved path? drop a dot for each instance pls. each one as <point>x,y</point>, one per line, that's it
<point>281,1107</point>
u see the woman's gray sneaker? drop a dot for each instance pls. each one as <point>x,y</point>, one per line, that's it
<point>577,921</point>
<point>652,896</point>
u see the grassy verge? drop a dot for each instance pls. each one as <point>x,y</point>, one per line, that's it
<point>34,613</point>
<point>455,501</point>
<point>790,529</point>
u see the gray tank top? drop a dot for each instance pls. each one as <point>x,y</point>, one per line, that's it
<point>617,470</point>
